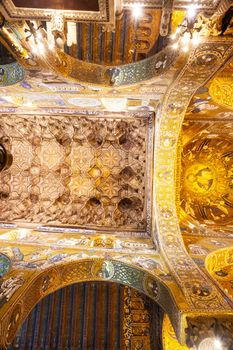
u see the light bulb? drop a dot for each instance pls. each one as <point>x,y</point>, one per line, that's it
<point>41,47</point>
<point>137,10</point>
<point>39,36</point>
<point>185,38</point>
<point>34,50</point>
<point>185,48</point>
<point>51,46</point>
<point>218,344</point>
<point>191,12</point>
<point>175,46</point>
<point>210,344</point>
<point>196,39</point>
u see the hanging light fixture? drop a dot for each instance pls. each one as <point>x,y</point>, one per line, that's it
<point>6,158</point>
<point>210,344</point>
<point>186,35</point>
<point>137,10</point>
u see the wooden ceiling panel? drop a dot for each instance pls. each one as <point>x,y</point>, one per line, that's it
<point>74,5</point>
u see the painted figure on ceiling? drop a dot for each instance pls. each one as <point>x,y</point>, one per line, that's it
<point>9,287</point>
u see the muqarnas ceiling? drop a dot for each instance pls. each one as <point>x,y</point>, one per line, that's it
<point>87,171</point>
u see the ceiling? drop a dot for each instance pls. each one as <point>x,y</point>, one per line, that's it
<point>73,5</point>
<point>92,316</point>
<point>91,186</point>
<point>99,168</point>
<point>93,11</point>
<point>132,40</point>
<point>220,266</point>
<point>206,179</point>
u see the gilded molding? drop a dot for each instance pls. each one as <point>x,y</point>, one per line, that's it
<point>136,322</point>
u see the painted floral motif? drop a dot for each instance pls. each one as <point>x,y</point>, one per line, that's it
<point>111,157</point>
<point>110,187</point>
<point>81,157</point>
<point>51,192</point>
<point>80,186</point>
<point>9,286</point>
<point>51,154</point>
<point>22,155</point>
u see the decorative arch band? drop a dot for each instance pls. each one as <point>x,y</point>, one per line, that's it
<point>48,281</point>
<point>11,74</point>
<point>78,70</point>
<point>202,65</point>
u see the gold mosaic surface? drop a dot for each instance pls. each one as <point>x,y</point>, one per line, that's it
<point>206,185</point>
<point>170,341</point>
<point>221,88</point>
<point>207,191</point>
<point>220,265</point>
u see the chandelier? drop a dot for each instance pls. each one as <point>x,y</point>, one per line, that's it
<point>187,34</point>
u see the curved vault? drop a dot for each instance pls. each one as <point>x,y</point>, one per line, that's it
<point>206,161</point>
<point>63,64</point>
<point>220,266</point>
<point>119,50</point>
<point>180,263</point>
<point>206,173</point>
<point>207,188</point>
<point>172,113</point>
<point>205,211</point>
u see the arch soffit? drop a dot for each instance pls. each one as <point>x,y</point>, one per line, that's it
<point>78,70</point>
<point>42,283</point>
<point>219,265</point>
<point>203,64</point>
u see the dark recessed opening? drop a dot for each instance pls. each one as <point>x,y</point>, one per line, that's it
<point>75,5</point>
